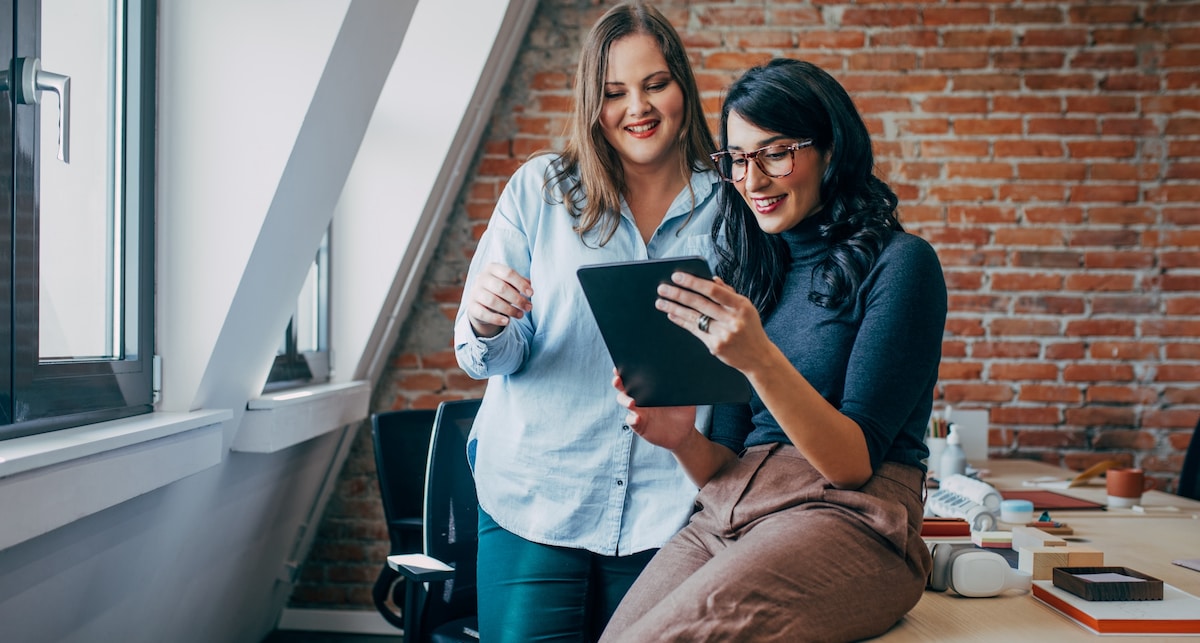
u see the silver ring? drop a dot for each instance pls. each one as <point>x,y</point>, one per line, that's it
<point>702,323</point>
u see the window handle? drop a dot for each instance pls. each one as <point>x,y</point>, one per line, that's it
<point>28,78</point>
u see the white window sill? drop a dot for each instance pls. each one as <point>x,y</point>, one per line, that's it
<point>277,421</point>
<point>56,478</point>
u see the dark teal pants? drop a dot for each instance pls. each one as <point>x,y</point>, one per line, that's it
<point>531,593</point>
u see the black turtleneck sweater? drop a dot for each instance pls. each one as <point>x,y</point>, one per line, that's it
<point>875,359</point>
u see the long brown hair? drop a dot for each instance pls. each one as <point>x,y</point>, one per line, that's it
<point>590,170</point>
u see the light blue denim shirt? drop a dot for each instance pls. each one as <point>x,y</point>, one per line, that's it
<point>554,462</point>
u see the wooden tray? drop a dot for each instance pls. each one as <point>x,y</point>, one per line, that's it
<point>1074,580</point>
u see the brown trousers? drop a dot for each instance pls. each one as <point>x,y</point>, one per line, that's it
<point>775,553</point>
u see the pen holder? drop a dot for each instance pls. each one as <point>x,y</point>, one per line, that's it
<point>936,446</point>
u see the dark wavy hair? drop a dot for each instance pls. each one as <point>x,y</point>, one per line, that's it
<point>800,100</point>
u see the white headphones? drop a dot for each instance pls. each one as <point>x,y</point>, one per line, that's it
<point>973,572</point>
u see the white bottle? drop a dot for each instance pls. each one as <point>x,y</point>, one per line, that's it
<point>954,459</point>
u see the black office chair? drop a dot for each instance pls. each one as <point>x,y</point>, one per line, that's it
<point>1189,475</point>
<point>401,440</point>
<point>440,604</point>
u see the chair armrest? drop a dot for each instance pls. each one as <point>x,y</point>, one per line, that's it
<point>420,568</point>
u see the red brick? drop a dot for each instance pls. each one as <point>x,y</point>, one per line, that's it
<point>956,393</point>
<point>1058,38</point>
<point>1027,104</point>
<point>1055,438</point>
<point>1065,350</point>
<point>1010,327</point>
<point>977,38</point>
<point>1098,372</point>
<point>1056,394</point>
<point>1121,394</point>
<point>1119,14</point>
<point>1100,416</point>
<point>1025,416</point>
<point>1059,81</point>
<point>766,40</point>
<point>900,17</point>
<point>1049,305</point>
<point>841,39</point>
<point>1117,259</point>
<point>1123,439</point>
<point>1026,281</point>
<point>1052,171</point>
<point>1027,60</point>
<point>914,37</point>
<point>1099,281</point>
<point>1177,373</point>
<point>718,16</point>
<point>1105,60</point>
<point>1022,371</point>
<point>1100,327</point>
<point>1023,15</point>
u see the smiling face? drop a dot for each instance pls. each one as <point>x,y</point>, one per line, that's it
<point>781,203</point>
<point>643,106</point>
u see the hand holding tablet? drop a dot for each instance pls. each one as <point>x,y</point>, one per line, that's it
<point>660,363</point>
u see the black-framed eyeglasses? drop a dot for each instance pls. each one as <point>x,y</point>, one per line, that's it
<point>776,161</point>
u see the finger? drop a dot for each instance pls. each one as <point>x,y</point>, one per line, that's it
<point>483,315</point>
<point>713,289</point>
<point>512,278</point>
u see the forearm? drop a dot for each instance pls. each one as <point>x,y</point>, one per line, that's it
<point>702,458</point>
<point>832,442</point>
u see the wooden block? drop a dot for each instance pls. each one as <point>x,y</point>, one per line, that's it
<point>1040,562</point>
<point>1080,556</point>
<point>1052,527</point>
<point>992,539</point>
<point>1029,537</point>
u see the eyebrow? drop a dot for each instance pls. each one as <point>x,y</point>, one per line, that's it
<point>646,79</point>
<point>761,144</point>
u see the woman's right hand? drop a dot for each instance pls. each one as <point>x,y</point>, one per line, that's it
<point>500,293</point>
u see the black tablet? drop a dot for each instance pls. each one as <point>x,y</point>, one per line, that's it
<point>660,363</point>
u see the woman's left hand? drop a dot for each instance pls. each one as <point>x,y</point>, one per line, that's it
<point>664,426</point>
<point>725,321</point>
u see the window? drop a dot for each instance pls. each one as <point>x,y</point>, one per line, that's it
<point>77,148</point>
<point>303,356</point>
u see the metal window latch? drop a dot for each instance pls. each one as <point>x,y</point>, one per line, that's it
<point>25,79</point>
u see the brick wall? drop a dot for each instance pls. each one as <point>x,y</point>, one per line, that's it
<point>1049,151</point>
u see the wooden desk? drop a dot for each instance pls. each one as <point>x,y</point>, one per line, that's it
<point>1146,542</point>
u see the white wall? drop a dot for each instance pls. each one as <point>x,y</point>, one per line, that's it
<point>267,109</point>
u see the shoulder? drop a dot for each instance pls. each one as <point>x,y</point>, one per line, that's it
<point>907,261</point>
<point>534,171</point>
<point>908,249</point>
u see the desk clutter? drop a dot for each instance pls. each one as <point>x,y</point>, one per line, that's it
<point>971,528</point>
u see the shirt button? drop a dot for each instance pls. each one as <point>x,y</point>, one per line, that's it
<point>624,427</point>
<point>620,483</point>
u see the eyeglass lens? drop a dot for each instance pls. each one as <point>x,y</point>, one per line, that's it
<point>774,161</point>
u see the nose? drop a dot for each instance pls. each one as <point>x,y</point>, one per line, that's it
<point>755,177</point>
<point>639,103</point>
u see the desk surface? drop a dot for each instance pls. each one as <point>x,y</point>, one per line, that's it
<point>1147,542</point>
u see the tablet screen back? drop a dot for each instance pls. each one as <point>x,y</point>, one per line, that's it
<point>660,363</point>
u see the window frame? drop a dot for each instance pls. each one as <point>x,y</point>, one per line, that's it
<point>39,396</point>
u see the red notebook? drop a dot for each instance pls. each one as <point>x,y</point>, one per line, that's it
<point>1044,500</point>
<point>945,528</point>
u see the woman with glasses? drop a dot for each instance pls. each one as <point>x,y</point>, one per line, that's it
<point>572,504</point>
<point>811,494</point>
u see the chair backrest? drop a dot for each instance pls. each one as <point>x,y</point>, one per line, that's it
<point>1189,475</point>
<point>451,514</point>
<point>401,440</point>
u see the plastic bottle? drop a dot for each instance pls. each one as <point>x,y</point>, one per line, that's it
<point>954,459</point>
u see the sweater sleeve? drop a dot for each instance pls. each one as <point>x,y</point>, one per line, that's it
<point>893,365</point>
